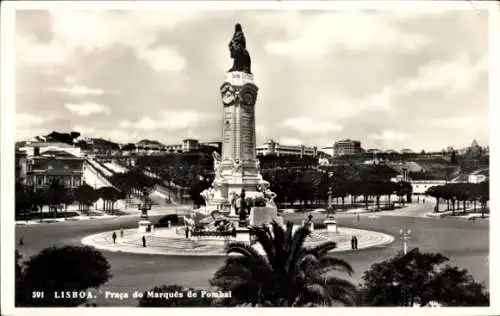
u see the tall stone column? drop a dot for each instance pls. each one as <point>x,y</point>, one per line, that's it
<point>239,166</point>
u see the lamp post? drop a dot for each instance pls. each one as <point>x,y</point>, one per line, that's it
<point>405,236</point>
<point>330,192</point>
<point>146,205</point>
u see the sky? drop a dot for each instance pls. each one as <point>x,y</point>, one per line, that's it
<point>390,79</point>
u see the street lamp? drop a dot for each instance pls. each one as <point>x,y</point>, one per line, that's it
<point>145,206</point>
<point>405,236</point>
<point>330,192</point>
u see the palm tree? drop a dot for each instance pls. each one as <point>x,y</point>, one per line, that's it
<point>289,274</point>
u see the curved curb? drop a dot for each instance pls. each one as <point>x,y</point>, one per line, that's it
<point>375,239</point>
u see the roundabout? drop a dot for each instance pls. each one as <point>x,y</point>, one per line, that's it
<point>172,242</point>
<point>466,243</point>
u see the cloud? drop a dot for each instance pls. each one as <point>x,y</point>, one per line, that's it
<point>311,126</point>
<point>87,130</point>
<point>24,120</point>
<point>355,73</point>
<point>164,59</point>
<point>87,108</point>
<point>170,120</point>
<point>470,122</point>
<point>317,35</point>
<point>79,90</point>
<point>290,141</point>
<point>447,76</point>
<point>95,31</point>
<point>452,75</point>
<point>119,135</point>
<point>389,136</point>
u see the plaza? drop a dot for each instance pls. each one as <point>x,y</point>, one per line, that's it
<point>465,243</point>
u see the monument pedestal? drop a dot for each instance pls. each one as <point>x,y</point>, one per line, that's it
<point>262,215</point>
<point>331,226</point>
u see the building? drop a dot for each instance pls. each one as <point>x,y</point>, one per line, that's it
<point>347,147</point>
<point>374,151</point>
<point>103,147</point>
<point>274,148</point>
<point>216,145</point>
<point>391,152</point>
<point>477,178</point>
<point>474,150</point>
<point>43,168</point>
<point>189,145</point>
<point>20,165</point>
<point>146,144</point>
<point>407,151</point>
<point>420,187</point>
<point>37,148</point>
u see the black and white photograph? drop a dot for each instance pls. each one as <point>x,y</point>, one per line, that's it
<point>247,154</point>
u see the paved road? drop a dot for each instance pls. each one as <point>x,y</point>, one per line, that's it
<point>465,242</point>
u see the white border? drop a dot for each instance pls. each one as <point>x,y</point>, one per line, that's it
<point>8,137</point>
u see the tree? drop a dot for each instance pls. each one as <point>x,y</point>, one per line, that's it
<point>180,300</point>
<point>39,201</point>
<point>420,277</point>
<point>56,195</point>
<point>24,199</point>
<point>453,157</point>
<point>129,147</point>
<point>74,135</point>
<point>484,195</point>
<point>403,189</point>
<point>289,274</point>
<point>435,192</point>
<point>20,292</point>
<point>86,196</point>
<point>57,270</point>
<point>109,196</point>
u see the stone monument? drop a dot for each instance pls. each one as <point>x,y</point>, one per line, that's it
<point>237,170</point>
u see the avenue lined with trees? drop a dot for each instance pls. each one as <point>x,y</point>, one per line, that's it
<point>462,195</point>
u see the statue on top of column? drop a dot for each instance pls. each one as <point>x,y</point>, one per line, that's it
<point>239,52</point>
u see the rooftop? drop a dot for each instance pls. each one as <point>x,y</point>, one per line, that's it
<point>48,144</point>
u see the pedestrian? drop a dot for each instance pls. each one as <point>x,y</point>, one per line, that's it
<point>114,237</point>
<point>143,241</point>
<point>355,242</point>
<point>352,242</point>
<point>121,233</point>
<point>21,241</point>
<point>187,232</point>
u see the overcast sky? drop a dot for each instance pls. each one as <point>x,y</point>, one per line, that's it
<point>391,80</point>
